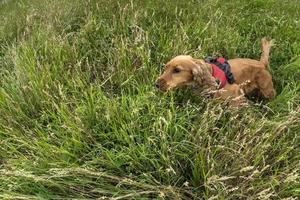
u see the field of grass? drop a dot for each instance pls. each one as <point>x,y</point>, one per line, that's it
<point>80,118</point>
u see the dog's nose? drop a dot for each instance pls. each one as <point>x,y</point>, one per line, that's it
<point>157,85</point>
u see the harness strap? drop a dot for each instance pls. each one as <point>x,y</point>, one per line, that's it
<point>221,70</point>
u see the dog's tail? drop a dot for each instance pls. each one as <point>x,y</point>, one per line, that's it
<point>266,46</point>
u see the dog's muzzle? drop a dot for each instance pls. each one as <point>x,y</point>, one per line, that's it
<point>160,84</point>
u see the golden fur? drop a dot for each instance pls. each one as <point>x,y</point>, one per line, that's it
<point>250,75</point>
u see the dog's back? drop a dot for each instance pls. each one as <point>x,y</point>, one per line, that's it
<point>253,74</point>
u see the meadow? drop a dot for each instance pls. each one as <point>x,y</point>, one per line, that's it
<point>80,117</point>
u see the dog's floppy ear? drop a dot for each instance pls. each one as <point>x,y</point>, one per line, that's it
<point>197,72</point>
<point>202,74</point>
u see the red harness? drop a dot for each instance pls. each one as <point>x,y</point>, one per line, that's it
<point>218,73</point>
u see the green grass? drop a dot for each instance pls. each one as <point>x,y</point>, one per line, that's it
<point>80,118</point>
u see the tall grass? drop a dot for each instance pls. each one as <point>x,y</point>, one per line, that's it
<point>80,118</point>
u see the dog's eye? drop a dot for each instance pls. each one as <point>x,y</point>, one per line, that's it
<point>176,70</point>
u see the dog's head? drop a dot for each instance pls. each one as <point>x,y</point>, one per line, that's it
<point>182,71</point>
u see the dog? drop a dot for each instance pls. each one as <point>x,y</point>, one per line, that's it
<point>249,76</point>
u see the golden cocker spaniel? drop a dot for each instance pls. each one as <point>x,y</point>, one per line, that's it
<point>249,76</point>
